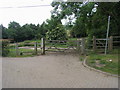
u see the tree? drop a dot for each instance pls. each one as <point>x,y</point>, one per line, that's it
<point>58,33</point>
<point>25,32</point>
<point>42,30</point>
<point>80,13</point>
<point>14,30</point>
<point>53,22</point>
<point>5,48</point>
<point>79,29</point>
<point>55,29</point>
<point>28,33</point>
<point>4,32</point>
<point>91,18</point>
<point>98,22</point>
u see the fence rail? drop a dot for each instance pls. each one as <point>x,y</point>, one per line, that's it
<point>102,39</point>
<point>25,48</point>
<point>80,44</point>
<point>116,41</point>
<point>100,43</point>
<point>116,36</point>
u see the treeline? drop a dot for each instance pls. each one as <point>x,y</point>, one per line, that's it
<point>20,33</point>
<point>90,20</point>
<point>51,29</point>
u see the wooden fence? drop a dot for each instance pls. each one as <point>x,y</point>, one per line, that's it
<point>31,46</point>
<point>100,43</point>
<point>116,41</point>
<point>80,45</point>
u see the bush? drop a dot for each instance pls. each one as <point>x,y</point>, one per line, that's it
<point>5,48</point>
<point>58,33</point>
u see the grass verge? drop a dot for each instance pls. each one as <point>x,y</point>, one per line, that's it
<point>22,53</point>
<point>107,63</point>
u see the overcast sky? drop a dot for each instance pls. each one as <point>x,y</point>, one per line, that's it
<point>10,11</point>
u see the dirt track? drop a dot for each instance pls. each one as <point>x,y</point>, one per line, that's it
<point>58,70</point>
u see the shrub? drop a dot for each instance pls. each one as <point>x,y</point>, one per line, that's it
<point>58,33</point>
<point>5,48</point>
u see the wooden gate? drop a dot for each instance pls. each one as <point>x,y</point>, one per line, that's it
<point>64,45</point>
<point>99,44</point>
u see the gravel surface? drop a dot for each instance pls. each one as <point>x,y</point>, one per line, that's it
<point>53,70</point>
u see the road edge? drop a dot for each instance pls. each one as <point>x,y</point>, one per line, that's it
<point>91,68</point>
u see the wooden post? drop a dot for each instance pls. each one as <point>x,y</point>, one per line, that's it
<point>83,46</point>
<point>94,43</point>
<point>78,45</point>
<point>42,46</point>
<point>110,45</point>
<point>35,48</point>
<point>16,47</point>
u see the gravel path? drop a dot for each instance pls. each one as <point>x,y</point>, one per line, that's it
<point>53,70</point>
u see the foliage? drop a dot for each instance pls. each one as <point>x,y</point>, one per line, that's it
<point>4,32</point>
<point>58,33</point>
<point>5,48</point>
<point>20,33</point>
<point>91,18</point>
<point>79,29</point>
<point>99,20</point>
<point>28,31</point>
<point>88,19</point>
<point>14,31</point>
<point>74,11</point>
<point>42,30</point>
<point>55,29</point>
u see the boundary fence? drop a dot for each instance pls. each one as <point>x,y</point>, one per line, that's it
<point>63,45</point>
<point>98,44</point>
<point>25,48</point>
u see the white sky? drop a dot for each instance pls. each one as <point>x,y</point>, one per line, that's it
<point>33,15</point>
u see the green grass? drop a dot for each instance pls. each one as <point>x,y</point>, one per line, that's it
<point>104,62</point>
<point>82,57</point>
<point>22,52</point>
<point>72,39</point>
<point>59,45</point>
<point>31,41</point>
<point>62,45</point>
<point>114,51</point>
<point>26,43</point>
